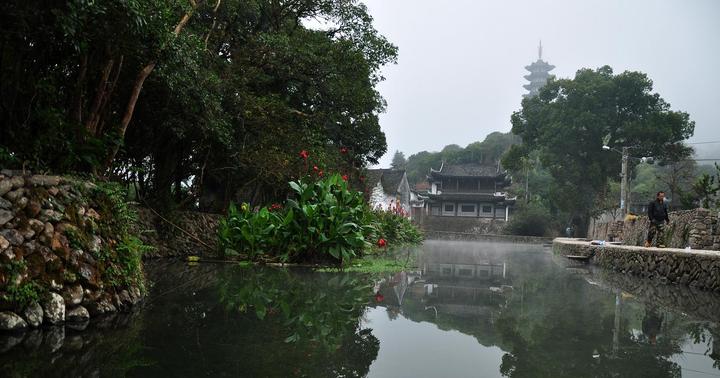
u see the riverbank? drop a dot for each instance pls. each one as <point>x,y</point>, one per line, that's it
<point>696,268</point>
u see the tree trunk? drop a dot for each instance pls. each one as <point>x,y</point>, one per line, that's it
<point>137,88</point>
<point>79,90</point>
<point>94,115</point>
<point>165,165</point>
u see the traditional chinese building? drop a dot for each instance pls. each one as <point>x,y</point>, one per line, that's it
<point>470,191</point>
<point>539,74</point>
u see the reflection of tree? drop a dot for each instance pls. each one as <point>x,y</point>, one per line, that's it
<point>322,307</point>
<point>565,327</point>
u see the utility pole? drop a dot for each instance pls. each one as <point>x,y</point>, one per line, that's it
<point>624,190</point>
<point>528,164</point>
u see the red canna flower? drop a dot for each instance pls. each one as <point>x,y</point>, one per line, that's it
<point>315,168</point>
<point>343,150</point>
<point>304,154</point>
<point>381,243</point>
<point>320,173</point>
<point>345,177</point>
<point>379,297</point>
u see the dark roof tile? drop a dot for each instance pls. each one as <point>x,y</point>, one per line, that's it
<point>468,170</point>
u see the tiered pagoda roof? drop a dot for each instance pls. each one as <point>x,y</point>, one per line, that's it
<point>539,74</point>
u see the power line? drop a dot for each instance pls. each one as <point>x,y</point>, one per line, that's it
<point>708,142</point>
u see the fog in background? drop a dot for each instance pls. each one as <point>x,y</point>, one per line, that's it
<point>461,63</point>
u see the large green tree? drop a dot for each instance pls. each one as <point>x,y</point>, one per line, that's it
<point>398,161</point>
<point>191,99</point>
<point>571,119</point>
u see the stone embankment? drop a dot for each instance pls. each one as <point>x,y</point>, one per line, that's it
<point>696,268</point>
<point>65,252</point>
<point>697,228</point>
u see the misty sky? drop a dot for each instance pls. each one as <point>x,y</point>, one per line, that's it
<point>461,63</point>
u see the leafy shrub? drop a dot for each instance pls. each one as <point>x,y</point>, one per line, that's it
<point>530,220</point>
<point>395,228</point>
<point>323,221</point>
<point>19,294</point>
<point>248,232</point>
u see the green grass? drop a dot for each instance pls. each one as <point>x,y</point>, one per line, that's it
<point>385,263</point>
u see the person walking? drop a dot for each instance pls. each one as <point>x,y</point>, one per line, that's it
<point>658,216</point>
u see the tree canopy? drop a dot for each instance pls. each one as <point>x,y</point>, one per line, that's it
<point>570,120</point>
<point>191,99</point>
<point>398,161</point>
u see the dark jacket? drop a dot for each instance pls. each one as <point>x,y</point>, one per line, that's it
<point>658,212</point>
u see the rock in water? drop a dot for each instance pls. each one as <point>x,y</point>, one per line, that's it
<point>78,314</point>
<point>102,306</point>
<point>54,338</point>
<point>33,314</point>
<point>54,309</point>
<point>9,321</point>
<point>73,295</point>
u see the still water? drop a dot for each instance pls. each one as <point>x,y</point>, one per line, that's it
<point>467,310</point>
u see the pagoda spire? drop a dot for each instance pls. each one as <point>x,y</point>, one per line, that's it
<point>539,74</point>
<point>540,50</point>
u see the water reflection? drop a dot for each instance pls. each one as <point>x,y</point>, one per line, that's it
<point>557,320</point>
<point>467,309</point>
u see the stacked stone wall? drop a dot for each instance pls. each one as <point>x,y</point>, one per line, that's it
<point>60,255</point>
<point>696,268</point>
<point>697,229</point>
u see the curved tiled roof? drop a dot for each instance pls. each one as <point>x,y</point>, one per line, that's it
<point>467,170</point>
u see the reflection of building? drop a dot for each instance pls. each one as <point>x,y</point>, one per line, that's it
<point>469,284</point>
<point>479,271</point>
